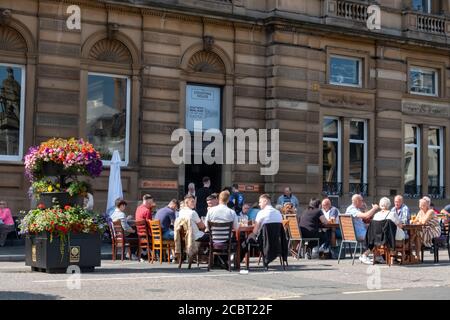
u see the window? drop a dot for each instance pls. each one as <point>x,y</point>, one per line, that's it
<point>12,98</point>
<point>423,81</point>
<point>412,161</point>
<point>435,162</point>
<point>331,168</point>
<point>108,114</point>
<point>358,157</point>
<point>422,5</point>
<point>345,71</point>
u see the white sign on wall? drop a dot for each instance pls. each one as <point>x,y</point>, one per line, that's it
<point>374,17</point>
<point>203,104</point>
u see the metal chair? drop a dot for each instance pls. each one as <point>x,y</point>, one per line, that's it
<point>348,236</point>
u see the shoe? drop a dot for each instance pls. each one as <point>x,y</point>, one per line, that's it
<point>365,259</point>
<point>380,259</point>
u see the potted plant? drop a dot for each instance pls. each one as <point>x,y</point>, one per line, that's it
<point>60,232</point>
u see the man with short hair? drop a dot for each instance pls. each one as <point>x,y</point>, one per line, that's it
<point>329,211</point>
<point>212,201</point>
<point>191,189</point>
<point>202,194</point>
<point>401,210</point>
<point>221,213</point>
<point>166,216</point>
<point>267,214</point>
<point>197,224</point>
<point>356,211</point>
<point>288,197</point>
<point>245,210</point>
<point>144,211</point>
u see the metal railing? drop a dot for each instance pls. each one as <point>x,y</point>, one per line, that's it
<point>436,192</point>
<point>412,192</point>
<point>359,188</point>
<point>332,188</point>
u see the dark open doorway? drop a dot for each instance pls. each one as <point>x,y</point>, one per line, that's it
<point>195,173</point>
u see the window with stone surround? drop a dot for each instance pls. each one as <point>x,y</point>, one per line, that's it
<point>435,162</point>
<point>332,156</point>
<point>423,81</point>
<point>358,157</point>
<point>12,93</point>
<point>345,71</point>
<point>412,162</point>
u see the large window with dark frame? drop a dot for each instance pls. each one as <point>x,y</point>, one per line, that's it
<point>345,71</point>
<point>331,167</point>
<point>12,96</point>
<point>423,81</point>
<point>108,114</point>
<point>422,5</point>
<point>358,157</point>
<point>412,161</point>
<point>435,163</point>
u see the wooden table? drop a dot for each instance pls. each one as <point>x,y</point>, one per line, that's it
<point>247,230</point>
<point>332,227</point>
<point>413,230</point>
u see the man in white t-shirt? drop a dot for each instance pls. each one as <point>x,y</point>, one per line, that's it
<point>197,224</point>
<point>267,214</point>
<point>221,212</point>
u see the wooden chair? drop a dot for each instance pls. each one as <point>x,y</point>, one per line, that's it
<point>157,241</point>
<point>121,241</point>
<point>220,241</point>
<point>144,240</point>
<point>296,235</point>
<point>398,253</point>
<point>113,240</point>
<point>348,235</point>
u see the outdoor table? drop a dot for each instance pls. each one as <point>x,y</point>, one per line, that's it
<point>247,230</point>
<point>333,227</point>
<point>413,230</point>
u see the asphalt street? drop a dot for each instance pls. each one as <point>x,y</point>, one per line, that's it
<point>304,279</point>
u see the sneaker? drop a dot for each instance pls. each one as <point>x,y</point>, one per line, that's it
<point>380,259</point>
<point>365,259</point>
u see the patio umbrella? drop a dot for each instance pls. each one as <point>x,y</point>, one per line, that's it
<point>115,183</point>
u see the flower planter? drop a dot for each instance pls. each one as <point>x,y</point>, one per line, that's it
<point>49,199</point>
<point>82,250</point>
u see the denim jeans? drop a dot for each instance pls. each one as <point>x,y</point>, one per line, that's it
<point>168,234</point>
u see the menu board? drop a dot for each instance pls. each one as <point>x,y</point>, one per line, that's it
<point>203,104</point>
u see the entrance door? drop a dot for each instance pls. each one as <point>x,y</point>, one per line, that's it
<point>203,107</point>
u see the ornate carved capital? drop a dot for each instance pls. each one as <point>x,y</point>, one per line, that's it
<point>208,43</point>
<point>5,17</point>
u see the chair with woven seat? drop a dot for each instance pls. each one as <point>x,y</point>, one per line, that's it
<point>121,241</point>
<point>220,241</point>
<point>144,239</point>
<point>348,233</point>
<point>158,244</point>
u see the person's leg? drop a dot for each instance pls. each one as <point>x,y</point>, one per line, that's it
<point>3,234</point>
<point>168,234</point>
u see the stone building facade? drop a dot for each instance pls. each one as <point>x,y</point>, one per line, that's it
<point>358,110</point>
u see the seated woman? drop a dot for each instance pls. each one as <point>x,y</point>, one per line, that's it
<point>310,222</point>
<point>385,213</point>
<point>426,216</point>
<point>6,222</point>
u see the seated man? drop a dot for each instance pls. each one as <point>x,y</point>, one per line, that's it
<point>221,212</point>
<point>119,215</point>
<point>197,224</point>
<point>356,210</point>
<point>166,216</point>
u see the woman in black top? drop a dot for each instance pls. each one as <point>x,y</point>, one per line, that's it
<point>311,220</point>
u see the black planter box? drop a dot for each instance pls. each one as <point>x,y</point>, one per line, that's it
<point>82,250</point>
<point>49,199</point>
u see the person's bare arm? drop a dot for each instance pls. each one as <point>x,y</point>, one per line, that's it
<point>368,214</point>
<point>428,216</point>
<point>323,220</point>
<point>201,225</point>
<point>256,228</point>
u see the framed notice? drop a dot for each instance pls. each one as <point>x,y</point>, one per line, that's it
<point>203,105</point>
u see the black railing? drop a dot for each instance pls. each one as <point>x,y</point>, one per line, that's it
<point>359,188</point>
<point>332,188</point>
<point>413,192</point>
<point>436,192</point>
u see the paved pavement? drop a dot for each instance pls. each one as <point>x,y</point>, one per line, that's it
<point>304,279</point>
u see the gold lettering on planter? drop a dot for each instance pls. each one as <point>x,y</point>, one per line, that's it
<point>33,253</point>
<point>75,254</point>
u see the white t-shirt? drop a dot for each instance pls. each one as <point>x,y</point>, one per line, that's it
<point>222,213</point>
<point>268,215</point>
<point>188,213</point>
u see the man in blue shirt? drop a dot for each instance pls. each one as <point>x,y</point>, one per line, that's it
<point>401,210</point>
<point>236,198</point>
<point>166,216</point>
<point>288,197</point>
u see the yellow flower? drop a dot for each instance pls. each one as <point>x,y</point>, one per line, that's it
<point>58,185</point>
<point>50,188</point>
